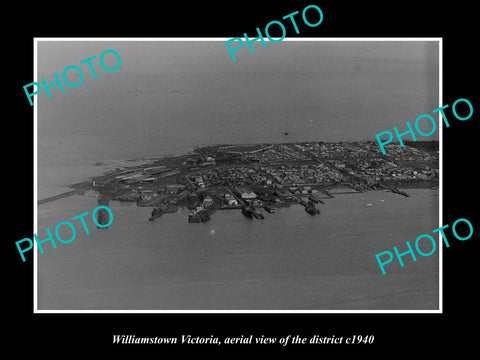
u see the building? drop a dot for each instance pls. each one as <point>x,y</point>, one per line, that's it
<point>230,199</point>
<point>209,161</point>
<point>245,193</point>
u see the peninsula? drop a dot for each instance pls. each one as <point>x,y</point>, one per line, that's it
<point>260,177</point>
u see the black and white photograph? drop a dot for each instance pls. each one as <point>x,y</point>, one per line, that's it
<point>249,185</point>
<point>281,178</point>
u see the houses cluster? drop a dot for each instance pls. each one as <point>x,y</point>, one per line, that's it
<point>364,159</point>
<point>268,176</point>
<point>242,175</point>
<point>408,153</point>
<point>305,174</point>
<point>282,152</point>
<point>324,164</point>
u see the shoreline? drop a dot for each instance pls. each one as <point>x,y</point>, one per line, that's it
<point>260,175</point>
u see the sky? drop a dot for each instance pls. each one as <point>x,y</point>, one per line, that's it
<point>169,96</point>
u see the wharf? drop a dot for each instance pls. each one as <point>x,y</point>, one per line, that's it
<point>250,211</point>
<point>326,192</point>
<point>316,199</point>
<point>204,215</point>
<point>310,207</point>
<point>394,190</point>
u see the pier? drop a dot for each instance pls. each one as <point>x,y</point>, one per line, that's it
<point>394,190</point>
<point>62,195</point>
<point>326,192</point>
<point>258,215</point>
<point>204,215</point>
<point>309,207</point>
<point>316,199</point>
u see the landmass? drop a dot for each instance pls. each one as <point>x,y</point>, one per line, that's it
<point>260,177</point>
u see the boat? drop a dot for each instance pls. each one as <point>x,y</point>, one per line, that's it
<point>269,209</point>
<point>247,211</point>
<point>193,219</point>
<point>258,215</point>
<point>156,212</point>
<point>397,191</point>
<point>311,209</point>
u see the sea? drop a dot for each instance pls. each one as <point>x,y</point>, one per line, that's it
<point>289,261</point>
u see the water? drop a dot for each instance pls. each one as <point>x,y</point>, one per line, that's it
<point>290,260</point>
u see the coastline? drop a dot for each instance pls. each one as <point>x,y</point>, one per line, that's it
<point>270,175</point>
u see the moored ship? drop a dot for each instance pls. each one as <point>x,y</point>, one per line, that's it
<point>269,209</point>
<point>247,211</point>
<point>311,209</point>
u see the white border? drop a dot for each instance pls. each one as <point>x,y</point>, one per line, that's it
<point>35,176</point>
<point>35,201</point>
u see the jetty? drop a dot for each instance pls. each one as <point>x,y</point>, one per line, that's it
<point>326,192</point>
<point>315,199</point>
<point>249,211</point>
<point>62,195</point>
<point>394,190</point>
<point>203,215</point>
<point>310,207</point>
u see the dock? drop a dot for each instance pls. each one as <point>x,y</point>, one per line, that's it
<point>326,192</point>
<point>249,211</point>
<point>310,207</point>
<point>204,215</point>
<point>394,190</point>
<point>316,199</point>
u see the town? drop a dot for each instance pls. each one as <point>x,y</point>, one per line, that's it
<point>262,177</point>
